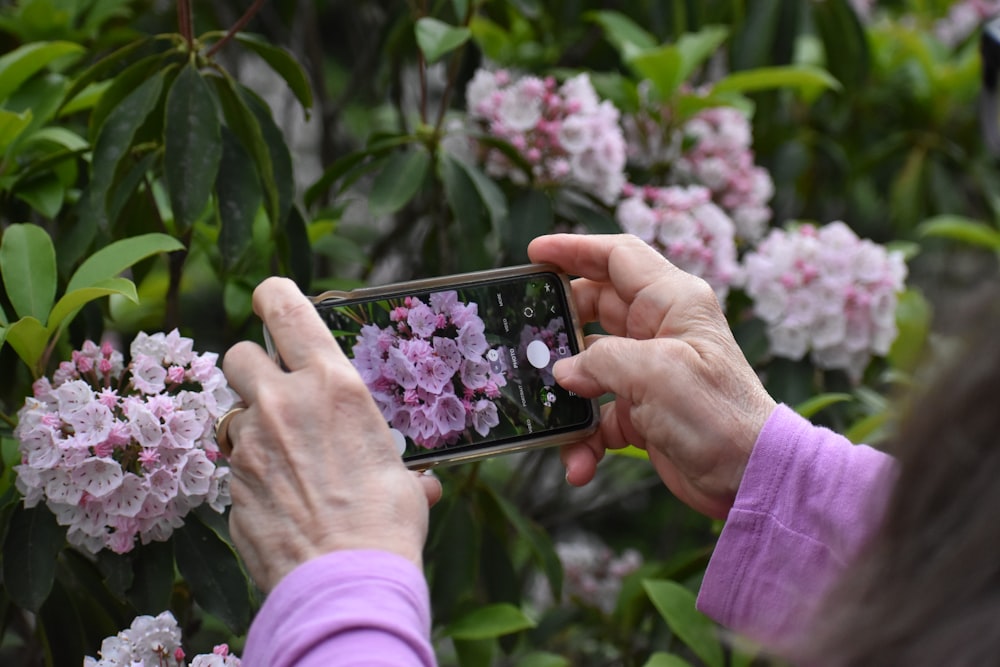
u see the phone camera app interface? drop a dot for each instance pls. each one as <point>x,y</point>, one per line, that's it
<point>463,367</point>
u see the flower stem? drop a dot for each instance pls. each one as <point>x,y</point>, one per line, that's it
<point>237,27</point>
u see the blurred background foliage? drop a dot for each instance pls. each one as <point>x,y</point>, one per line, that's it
<point>159,158</point>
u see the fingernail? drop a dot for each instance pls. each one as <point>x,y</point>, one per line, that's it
<point>563,367</point>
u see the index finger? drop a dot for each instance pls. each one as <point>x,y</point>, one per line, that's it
<point>624,260</point>
<point>293,322</point>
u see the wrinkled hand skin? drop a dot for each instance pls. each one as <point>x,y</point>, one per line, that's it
<point>683,390</point>
<point>314,468</point>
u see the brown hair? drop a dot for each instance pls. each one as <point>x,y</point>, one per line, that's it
<point>926,590</point>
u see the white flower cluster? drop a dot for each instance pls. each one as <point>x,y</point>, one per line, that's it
<point>155,641</point>
<point>593,573</point>
<point>119,453</point>
<point>721,158</point>
<point>827,292</point>
<point>686,227</point>
<point>564,132</point>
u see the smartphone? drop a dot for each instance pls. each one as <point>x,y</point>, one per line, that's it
<point>461,366</point>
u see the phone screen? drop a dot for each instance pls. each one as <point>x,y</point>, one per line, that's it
<point>465,367</point>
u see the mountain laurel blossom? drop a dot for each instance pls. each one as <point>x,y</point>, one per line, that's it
<point>120,453</point>
<point>427,370</point>
<point>564,133</point>
<point>155,641</point>
<point>720,157</point>
<point>827,292</point>
<point>685,226</point>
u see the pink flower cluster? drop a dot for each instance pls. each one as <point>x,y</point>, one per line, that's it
<point>592,573</point>
<point>964,18</point>
<point>826,291</point>
<point>721,158</point>
<point>428,371</point>
<point>155,641</point>
<point>119,453</point>
<point>686,227</point>
<point>564,132</point>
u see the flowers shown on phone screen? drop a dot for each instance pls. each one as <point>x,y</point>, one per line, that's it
<point>428,369</point>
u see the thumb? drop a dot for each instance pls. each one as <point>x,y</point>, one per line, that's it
<point>606,366</point>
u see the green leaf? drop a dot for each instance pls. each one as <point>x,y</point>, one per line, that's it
<point>285,64</point>
<point>71,302</point>
<point>31,547</point>
<point>192,147</point>
<point>23,62</point>
<point>243,123</point>
<point>697,47</point>
<point>660,659</point>
<point>436,38</point>
<point>662,66</point>
<point>623,33</point>
<point>28,337</point>
<point>400,179</point>
<point>531,215</point>
<point>153,577</point>
<point>542,659</point>
<point>806,79</point>
<point>102,67</point>
<point>114,258</point>
<point>28,267</point>
<point>964,230</point>
<point>677,606</point>
<point>489,622</point>
<point>45,194</point>
<point>845,41</point>
<point>914,315</point>
<point>296,252</point>
<point>489,192</point>
<point>812,406</point>
<point>238,199</point>
<point>116,136</point>
<point>12,126</point>
<point>212,569</point>
<point>277,149</point>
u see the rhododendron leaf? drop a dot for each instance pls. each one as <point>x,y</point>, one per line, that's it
<point>808,80</point>
<point>99,69</point>
<point>22,63</point>
<point>238,199</point>
<point>473,652</point>
<point>676,604</point>
<point>71,302</point>
<point>913,319</point>
<point>845,40</point>
<point>662,66</point>
<point>213,571</point>
<point>33,542</point>
<point>530,215</point>
<point>489,192</point>
<point>697,47</point>
<point>152,577</point>
<point>192,146</point>
<point>399,181</point>
<point>277,149</point>
<point>284,64</point>
<point>114,258</point>
<point>115,139</point>
<point>453,548</point>
<point>543,659</point>
<point>12,125</point>
<point>28,267</point>
<point>666,660</point>
<point>809,408</point>
<point>437,39</point>
<point>244,124</point>
<point>28,337</point>
<point>488,622</point>
<point>964,230</point>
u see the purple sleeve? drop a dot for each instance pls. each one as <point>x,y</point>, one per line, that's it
<point>808,501</point>
<point>345,608</point>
